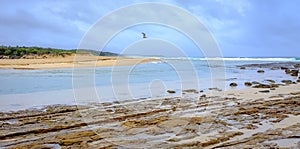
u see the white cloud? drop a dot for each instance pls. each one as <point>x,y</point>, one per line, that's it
<point>239,6</point>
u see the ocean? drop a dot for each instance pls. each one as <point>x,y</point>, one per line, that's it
<point>22,89</point>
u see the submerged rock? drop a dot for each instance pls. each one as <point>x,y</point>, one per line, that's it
<point>294,73</point>
<point>255,82</point>
<point>269,80</point>
<point>274,68</point>
<point>248,84</point>
<point>191,91</point>
<point>215,89</point>
<point>287,81</point>
<point>262,86</point>
<point>171,91</point>
<point>233,84</point>
<point>260,71</point>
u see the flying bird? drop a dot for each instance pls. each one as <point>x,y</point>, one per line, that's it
<point>144,35</point>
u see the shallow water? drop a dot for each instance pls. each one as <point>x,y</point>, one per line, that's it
<point>285,143</point>
<point>33,88</point>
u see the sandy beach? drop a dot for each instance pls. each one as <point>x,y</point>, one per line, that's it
<point>258,116</point>
<point>70,61</point>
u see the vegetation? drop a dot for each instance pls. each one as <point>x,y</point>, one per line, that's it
<point>19,52</point>
<point>97,52</point>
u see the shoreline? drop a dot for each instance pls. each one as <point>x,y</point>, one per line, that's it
<point>72,61</point>
<point>232,118</point>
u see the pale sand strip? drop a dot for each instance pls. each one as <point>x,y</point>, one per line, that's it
<point>249,94</point>
<point>71,61</point>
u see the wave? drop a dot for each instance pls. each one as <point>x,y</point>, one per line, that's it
<point>156,62</point>
<point>232,59</point>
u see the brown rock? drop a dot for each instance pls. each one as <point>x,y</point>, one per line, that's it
<point>233,84</point>
<point>287,81</point>
<point>174,108</point>
<point>250,126</point>
<point>215,89</point>
<point>294,73</point>
<point>246,111</point>
<point>116,102</point>
<point>274,85</point>
<point>264,91</point>
<point>76,137</point>
<point>272,81</point>
<point>248,84</point>
<point>255,82</point>
<point>106,103</point>
<point>202,96</point>
<point>262,86</point>
<point>191,91</point>
<point>171,91</point>
<point>71,141</point>
<point>260,71</point>
<point>242,67</point>
<point>144,123</point>
<point>109,110</point>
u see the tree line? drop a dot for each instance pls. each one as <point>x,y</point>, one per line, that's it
<point>18,52</point>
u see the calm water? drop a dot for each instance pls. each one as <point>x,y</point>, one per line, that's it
<point>32,88</point>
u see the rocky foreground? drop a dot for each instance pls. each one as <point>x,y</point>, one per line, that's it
<point>232,120</point>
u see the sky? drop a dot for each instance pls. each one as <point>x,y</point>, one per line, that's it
<point>241,28</point>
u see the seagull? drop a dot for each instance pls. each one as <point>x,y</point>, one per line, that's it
<point>144,35</point>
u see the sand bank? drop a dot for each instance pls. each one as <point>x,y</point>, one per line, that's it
<point>71,62</point>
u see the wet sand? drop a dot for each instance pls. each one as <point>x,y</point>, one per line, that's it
<point>70,61</point>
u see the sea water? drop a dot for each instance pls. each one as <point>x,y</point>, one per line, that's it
<point>22,89</point>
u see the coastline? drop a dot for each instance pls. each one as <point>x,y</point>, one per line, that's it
<point>263,115</point>
<point>71,62</point>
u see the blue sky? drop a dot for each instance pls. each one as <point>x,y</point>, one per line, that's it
<point>242,28</point>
